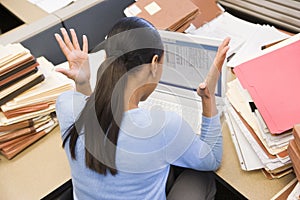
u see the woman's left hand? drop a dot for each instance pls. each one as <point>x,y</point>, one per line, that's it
<point>79,69</point>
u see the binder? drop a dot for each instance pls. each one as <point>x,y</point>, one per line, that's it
<point>23,124</point>
<point>27,109</point>
<point>20,87</point>
<point>18,77</point>
<point>20,68</point>
<point>21,143</point>
<point>9,66</point>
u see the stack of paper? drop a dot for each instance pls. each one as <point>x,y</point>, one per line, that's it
<point>294,150</point>
<point>18,71</point>
<point>29,113</point>
<point>246,38</point>
<point>263,107</point>
<point>164,14</point>
<point>51,6</point>
<point>256,149</point>
<point>15,138</point>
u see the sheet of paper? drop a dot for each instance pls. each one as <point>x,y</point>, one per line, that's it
<point>263,35</point>
<point>240,99</point>
<point>227,25</point>
<point>51,5</point>
<point>247,156</point>
<point>269,163</point>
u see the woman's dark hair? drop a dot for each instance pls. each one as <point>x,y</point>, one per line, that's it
<point>131,43</point>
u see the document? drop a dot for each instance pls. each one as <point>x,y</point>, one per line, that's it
<point>246,155</point>
<point>271,80</point>
<point>264,35</point>
<point>164,14</point>
<point>54,84</point>
<point>271,163</point>
<point>51,5</point>
<point>246,37</point>
<point>241,100</point>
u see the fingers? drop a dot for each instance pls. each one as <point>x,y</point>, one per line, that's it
<point>74,39</point>
<point>203,90</point>
<point>225,42</point>
<point>62,44</point>
<point>67,39</point>
<point>223,48</point>
<point>85,44</point>
<point>67,46</point>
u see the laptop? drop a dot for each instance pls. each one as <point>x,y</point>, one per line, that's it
<point>187,60</point>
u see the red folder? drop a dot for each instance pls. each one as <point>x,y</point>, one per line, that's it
<point>272,81</point>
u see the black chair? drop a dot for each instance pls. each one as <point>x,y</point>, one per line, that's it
<point>64,192</point>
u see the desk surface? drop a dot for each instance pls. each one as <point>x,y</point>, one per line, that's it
<point>43,167</point>
<point>251,184</point>
<point>24,10</point>
<point>37,171</point>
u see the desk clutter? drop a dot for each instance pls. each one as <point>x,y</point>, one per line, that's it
<point>294,153</point>
<point>263,108</point>
<point>28,90</point>
<point>174,15</point>
<point>294,150</point>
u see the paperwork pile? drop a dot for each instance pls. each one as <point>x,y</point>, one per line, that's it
<point>172,15</point>
<point>246,38</point>
<point>294,150</point>
<point>29,88</point>
<point>263,107</point>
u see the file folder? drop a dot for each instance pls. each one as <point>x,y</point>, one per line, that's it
<point>164,14</point>
<point>271,80</point>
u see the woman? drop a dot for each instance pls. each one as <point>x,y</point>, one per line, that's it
<point>117,150</point>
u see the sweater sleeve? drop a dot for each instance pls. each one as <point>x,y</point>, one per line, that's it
<point>190,150</point>
<point>68,106</point>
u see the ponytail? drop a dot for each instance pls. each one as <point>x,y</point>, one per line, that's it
<point>101,117</point>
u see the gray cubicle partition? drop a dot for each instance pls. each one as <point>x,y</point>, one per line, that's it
<point>44,44</point>
<point>96,21</point>
<point>38,37</point>
<point>93,18</point>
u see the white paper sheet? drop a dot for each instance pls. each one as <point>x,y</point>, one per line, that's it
<point>51,5</point>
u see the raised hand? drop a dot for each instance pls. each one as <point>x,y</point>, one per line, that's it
<point>206,90</point>
<point>79,69</point>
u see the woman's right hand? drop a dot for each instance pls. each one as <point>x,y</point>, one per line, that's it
<point>79,69</point>
<point>206,90</point>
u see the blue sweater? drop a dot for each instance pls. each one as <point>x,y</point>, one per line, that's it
<point>148,143</point>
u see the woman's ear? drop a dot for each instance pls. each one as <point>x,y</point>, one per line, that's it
<point>154,65</point>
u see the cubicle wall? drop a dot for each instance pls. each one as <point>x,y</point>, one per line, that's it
<point>44,44</point>
<point>96,21</point>
<point>93,18</point>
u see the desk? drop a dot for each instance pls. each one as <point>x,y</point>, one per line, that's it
<point>37,171</point>
<point>252,184</point>
<point>24,10</point>
<point>43,167</point>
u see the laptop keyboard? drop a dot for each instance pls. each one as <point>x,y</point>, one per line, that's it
<point>192,114</point>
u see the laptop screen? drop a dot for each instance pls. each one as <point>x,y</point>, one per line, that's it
<point>187,60</point>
